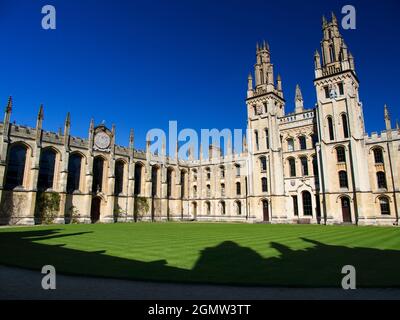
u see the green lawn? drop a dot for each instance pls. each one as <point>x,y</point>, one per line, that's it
<point>280,255</point>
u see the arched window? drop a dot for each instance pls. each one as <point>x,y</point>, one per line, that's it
<point>303,143</point>
<point>378,155</point>
<point>194,209</point>
<point>315,165</point>
<point>330,128</point>
<point>195,191</point>
<point>74,172</point>
<point>238,189</point>
<point>340,154</point>
<point>194,173</point>
<point>138,178</point>
<point>255,110</point>
<point>154,181</point>
<point>345,126</point>
<point>264,184</point>
<point>238,208</point>
<point>256,139</point>
<point>304,166</point>
<point>265,107</point>
<point>222,189</point>
<point>46,169</point>
<point>222,172</point>
<point>314,138</point>
<point>208,173</point>
<point>223,210</point>
<point>381,178</point>
<point>290,144</point>
<point>119,177</point>
<point>98,166</point>
<point>16,166</point>
<point>169,182</point>
<point>183,176</point>
<point>331,53</point>
<point>267,138</point>
<point>343,182</point>
<point>208,190</point>
<point>208,208</point>
<point>292,167</point>
<point>237,166</point>
<point>263,162</point>
<point>307,203</point>
<point>385,206</point>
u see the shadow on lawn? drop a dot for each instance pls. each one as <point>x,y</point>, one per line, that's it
<point>228,263</point>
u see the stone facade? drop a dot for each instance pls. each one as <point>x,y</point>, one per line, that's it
<point>313,165</point>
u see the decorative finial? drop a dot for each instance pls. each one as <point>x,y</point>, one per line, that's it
<point>334,20</point>
<point>68,119</point>
<point>387,118</point>
<point>41,113</point>
<point>299,96</point>
<point>9,104</point>
<point>324,22</point>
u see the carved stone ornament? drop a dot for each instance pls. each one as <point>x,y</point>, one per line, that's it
<point>102,141</point>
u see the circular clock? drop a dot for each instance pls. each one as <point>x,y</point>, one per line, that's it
<point>102,140</point>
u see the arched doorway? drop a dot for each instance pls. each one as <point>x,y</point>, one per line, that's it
<point>346,210</point>
<point>194,210</point>
<point>265,211</point>
<point>95,210</point>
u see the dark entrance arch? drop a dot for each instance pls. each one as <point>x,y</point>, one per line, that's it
<point>265,211</point>
<point>95,210</point>
<point>194,205</point>
<point>346,210</point>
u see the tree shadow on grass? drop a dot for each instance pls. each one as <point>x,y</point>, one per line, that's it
<point>227,263</point>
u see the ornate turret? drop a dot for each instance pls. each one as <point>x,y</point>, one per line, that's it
<point>335,55</point>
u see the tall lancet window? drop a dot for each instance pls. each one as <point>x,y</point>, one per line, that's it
<point>119,177</point>
<point>98,168</point>
<point>16,166</point>
<point>267,138</point>
<point>331,53</point>
<point>256,139</point>
<point>46,169</point>
<point>330,128</point>
<point>74,172</point>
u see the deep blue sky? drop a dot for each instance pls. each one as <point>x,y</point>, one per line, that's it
<point>142,63</point>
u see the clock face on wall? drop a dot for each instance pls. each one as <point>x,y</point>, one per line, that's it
<point>102,140</point>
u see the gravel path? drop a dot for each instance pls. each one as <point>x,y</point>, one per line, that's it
<point>18,283</point>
